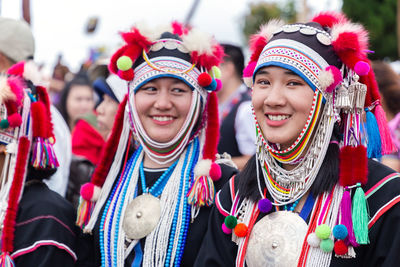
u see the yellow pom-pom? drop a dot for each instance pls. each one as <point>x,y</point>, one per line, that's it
<point>215,72</point>
<point>124,63</point>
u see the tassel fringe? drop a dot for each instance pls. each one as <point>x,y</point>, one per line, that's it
<point>6,260</point>
<point>85,209</point>
<point>43,155</point>
<point>360,217</point>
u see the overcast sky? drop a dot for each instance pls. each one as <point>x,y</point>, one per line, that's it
<point>58,25</point>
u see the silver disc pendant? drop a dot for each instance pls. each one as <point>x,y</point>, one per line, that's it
<point>141,216</point>
<point>276,240</point>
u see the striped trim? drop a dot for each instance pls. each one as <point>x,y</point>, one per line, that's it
<point>232,188</point>
<point>40,243</point>
<point>46,217</point>
<point>382,211</point>
<point>219,206</point>
<point>381,183</point>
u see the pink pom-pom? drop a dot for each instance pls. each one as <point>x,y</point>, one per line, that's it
<point>219,85</point>
<point>362,68</point>
<point>226,230</point>
<point>249,70</point>
<point>87,191</point>
<point>17,69</point>
<point>126,75</point>
<point>204,79</point>
<point>215,171</point>
<point>337,78</point>
<point>14,120</point>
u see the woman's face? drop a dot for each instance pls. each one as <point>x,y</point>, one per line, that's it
<point>163,105</point>
<point>106,112</point>
<point>282,102</point>
<point>80,101</point>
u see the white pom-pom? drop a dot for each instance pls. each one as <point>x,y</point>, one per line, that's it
<point>199,41</point>
<point>152,33</point>
<point>32,73</point>
<point>248,81</point>
<point>313,240</point>
<point>267,30</point>
<point>96,193</point>
<point>5,90</point>
<point>325,79</point>
<point>202,168</point>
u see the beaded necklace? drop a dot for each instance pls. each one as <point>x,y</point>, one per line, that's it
<point>159,185</point>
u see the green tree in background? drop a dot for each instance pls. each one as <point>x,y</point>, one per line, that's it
<point>379,17</point>
<point>260,13</point>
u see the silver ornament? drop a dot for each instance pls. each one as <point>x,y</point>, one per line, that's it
<point>276,240</point>
<point>141,216</point>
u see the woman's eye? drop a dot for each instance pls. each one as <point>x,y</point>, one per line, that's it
<point>149,89</point>
<point>295,83</point>
<point>178,90</point>
<point>262,82</point>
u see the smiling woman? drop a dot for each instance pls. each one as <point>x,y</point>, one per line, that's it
<point>163,105</point>
<point>149,198</point>
<point>302,199</point>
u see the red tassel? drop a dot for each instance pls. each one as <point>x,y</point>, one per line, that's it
<point>345,174</point>
<point>14,196</point>
<point>39,121</point>
<point>386,138</point>
<point>212,130</point>
<point>360,165</point>
<point>44,97</point>
<point>108,152</point>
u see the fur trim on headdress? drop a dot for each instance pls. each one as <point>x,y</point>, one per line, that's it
<point>260,39</point>
<point>329,18</point>
<point>205,51</point>
<point>178,28</point>
<point>5,90</point>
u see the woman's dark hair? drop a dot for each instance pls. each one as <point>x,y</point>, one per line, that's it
<point>235,55</point>
<point>79,79</point>
<point>327,176</point>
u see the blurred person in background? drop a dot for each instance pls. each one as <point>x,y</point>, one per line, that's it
<point>77,100</point>
<point>237,128</point>
<point>389,86</point>
<point>110,91</point>
<point>17,44</point>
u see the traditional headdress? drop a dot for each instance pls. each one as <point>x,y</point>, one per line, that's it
<point>330,54</point>
<point>178,52</point>
<point>26,131</point>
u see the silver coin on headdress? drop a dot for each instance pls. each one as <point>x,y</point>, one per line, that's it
<point>276,240</point>
<point>141,216</point>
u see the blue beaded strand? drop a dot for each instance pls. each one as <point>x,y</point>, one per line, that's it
<point>293,206</point>
<point>186,215</point>
<point>117,189</point>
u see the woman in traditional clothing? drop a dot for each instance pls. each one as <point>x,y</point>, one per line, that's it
<point>37,224</point>
<point>302,199</point>
<point>149,198</point>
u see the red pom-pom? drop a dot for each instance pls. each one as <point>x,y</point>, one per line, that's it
<point>87,191</point>
<point>204,79</point>
<point>219,85</point>
<point>329,18</point>
<point>126,75</point>
<point>362,68</point>
<point>215,171</point>
<point>340,248</point>
<point>240,230</point>
<point>14,120</point>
